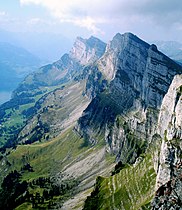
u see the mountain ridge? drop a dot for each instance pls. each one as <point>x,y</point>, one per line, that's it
<point>100,111</point>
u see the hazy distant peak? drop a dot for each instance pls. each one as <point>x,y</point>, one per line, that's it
<point>173,44</point>
<point>90,42</point>
<point>172,49</point>
<point>94,40</point>
<point>79,38</point>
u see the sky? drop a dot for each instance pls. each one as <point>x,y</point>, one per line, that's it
<point>148,19</point>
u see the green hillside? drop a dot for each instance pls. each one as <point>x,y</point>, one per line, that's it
<point>132,188</point>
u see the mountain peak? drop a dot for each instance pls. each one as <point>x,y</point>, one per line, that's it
<point>126,35</point>
<point>127,38</point>
<point>87,50</point>
<point>121,45</point>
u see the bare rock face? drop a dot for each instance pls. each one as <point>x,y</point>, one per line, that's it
<point>171,111</point>
<point>138,77</point>
<point>169,195</point>
<point>170,128</point>
<point>117,53</point>
<point>87,50</point>
<point>169,182</point>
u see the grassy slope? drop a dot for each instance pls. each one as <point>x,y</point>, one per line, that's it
<point>131,188</point>
<point>46,158</point>
<point>14,119</point>
<point>58,110</point>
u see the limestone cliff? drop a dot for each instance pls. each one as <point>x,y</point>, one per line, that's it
<point>138,77</point>
<point>170,129</point>
<point>154,114</point>
<point>87,50</point>
<point>168,183</point>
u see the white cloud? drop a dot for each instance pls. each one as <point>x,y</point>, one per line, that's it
<point>91,14</point>
<point>5,18</point>
<point>3,13</point>
<point>76,12</point>
<point>34,21</point>
<point>39,22</point>
<point>86,13</point>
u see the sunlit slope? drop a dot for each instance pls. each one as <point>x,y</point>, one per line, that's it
<point>130,189</point>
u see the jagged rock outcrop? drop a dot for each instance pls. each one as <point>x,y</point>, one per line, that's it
<point>169,195</point>
<point>169,182</point>
<point>171,111</point>
<point>170,129</point>
<point>87,50</point>
<point>116,53</point>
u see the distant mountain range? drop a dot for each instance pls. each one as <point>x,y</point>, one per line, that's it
<point>15,64</point>
<point>22,53</point>
<point>46,46</point>
<point>171,48</point>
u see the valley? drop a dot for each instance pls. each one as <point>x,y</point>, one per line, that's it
<point>15,63</point>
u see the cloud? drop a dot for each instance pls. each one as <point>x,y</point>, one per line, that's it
<point>34,21</point>
<point>3,13</point>
<point>39,22</point>
<point>92,14</point>
<point>4,18</point>
<point>75,12</point>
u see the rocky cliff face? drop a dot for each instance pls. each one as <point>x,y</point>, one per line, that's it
<point>139,77</point>
<point>170,129</point>
<point>116,53</point>
<point>154,114</point>
<point>87,50</point>
<point>168,183</point>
